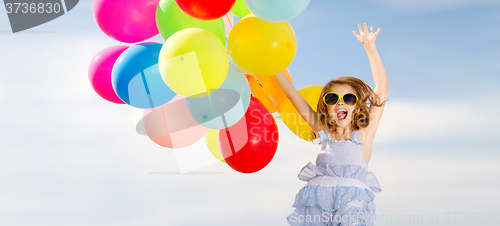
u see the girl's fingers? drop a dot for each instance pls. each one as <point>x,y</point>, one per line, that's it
<point>355,33</point>
<point>365,30</point>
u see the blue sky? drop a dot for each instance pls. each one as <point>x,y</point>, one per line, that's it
<point>67,157</point>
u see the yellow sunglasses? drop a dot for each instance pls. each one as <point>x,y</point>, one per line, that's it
<point>349,99</point>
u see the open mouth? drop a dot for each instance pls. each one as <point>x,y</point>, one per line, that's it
<point>341,114</point>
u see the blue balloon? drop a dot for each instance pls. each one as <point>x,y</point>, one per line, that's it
<point>226,105</point>
<point>136,78</point>
<point>276,10</point>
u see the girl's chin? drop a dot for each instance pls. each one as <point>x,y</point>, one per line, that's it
<point>342,123</point>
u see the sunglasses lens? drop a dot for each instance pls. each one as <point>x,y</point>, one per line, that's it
<point>331,98</point>
<point>350,99</point>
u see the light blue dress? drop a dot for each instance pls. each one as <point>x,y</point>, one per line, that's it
<point>339,190</point>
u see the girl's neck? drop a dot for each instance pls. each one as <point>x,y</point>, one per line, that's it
<point>339,133</point>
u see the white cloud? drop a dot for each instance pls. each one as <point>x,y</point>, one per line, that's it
<point>448,119</point>
<point>435,183</point>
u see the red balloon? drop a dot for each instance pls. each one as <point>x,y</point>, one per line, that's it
<point>206,9</point>
<point>250,144</point>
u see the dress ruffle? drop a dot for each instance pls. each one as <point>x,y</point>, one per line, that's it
<point>357,172</point>
<point>335,200</point>
<point>340,189</point>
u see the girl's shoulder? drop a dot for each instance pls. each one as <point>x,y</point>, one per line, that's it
<point>321,136</point>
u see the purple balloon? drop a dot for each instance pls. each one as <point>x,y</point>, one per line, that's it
<point>127,21</point>
<point>100,72</point>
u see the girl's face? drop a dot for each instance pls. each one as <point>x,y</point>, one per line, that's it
<point>341,112</point>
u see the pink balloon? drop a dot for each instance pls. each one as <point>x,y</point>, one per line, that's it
<point>128,21</point>
<point>172,125</point>
<point>100,72</point>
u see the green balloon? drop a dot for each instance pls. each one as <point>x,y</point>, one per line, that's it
<point>240,9</point>
<point>170,19</point>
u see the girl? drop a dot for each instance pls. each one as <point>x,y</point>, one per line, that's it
<point>340,189</point>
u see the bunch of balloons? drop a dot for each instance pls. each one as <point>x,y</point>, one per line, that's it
<point>208,79</point>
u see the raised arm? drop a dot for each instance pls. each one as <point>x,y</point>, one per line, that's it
<point>367,38</point>
<point>307,113</point>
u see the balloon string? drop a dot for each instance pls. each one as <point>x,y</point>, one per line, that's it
<point>266,92</point>
<point>147,89</point>
<point>229,21</point>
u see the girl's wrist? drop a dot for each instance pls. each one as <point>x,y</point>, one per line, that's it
<point>279,76</point>
<point>370,46</point>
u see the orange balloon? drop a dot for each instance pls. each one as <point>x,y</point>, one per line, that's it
<point>269,91</point>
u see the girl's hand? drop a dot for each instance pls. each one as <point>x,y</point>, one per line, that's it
<point>366,37</point>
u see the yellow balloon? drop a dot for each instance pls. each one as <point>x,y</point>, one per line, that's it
<point>193,62</point>
<point>262,48</point>
<point>291,117</point>
<point>212,140</point>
